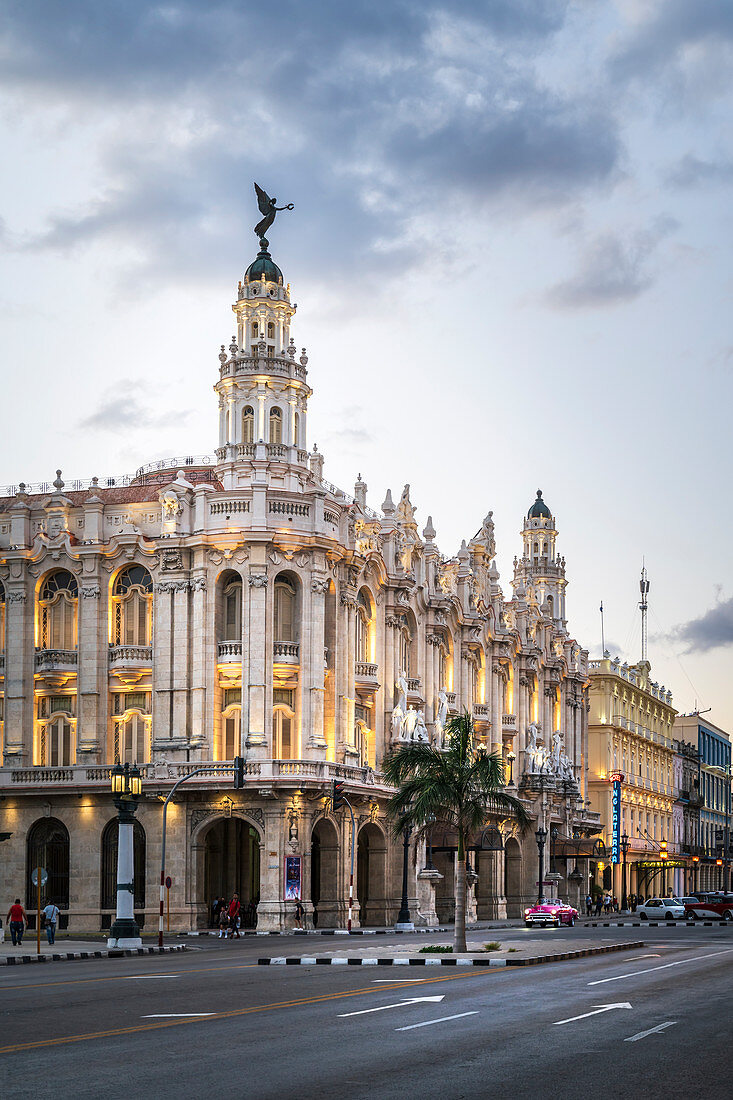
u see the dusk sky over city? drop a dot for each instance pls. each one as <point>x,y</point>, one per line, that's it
<point>510,250</point>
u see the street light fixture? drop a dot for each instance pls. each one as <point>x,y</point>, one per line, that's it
<point>126,789</point>
<point>511,757</point>
<point>404,921</point>
<point>430,821</point>
<point>624,849</point>
<point>541,837</point>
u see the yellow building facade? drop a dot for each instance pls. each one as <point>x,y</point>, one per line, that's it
<point>630,733</point>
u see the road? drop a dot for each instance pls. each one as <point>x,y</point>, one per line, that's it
<point>107,1027</point>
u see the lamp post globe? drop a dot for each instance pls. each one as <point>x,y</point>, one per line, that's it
<point>126,783</point>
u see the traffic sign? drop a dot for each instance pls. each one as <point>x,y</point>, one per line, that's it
<point>168,882</point>
<point>43,873</point>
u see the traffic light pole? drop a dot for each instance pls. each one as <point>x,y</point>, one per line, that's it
<point>351,876</point>
<point>184,778</point>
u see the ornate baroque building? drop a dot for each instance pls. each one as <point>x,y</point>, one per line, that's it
<point>241,604</point>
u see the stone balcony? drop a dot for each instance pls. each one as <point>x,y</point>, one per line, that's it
<point>129,662</point>
<point>509,722</point>
<point>480,713</point>
<point>366,672</point>
<point>229,653</point>
<point>414,690</point>
<point>56,666</point>
<point>286,653</point>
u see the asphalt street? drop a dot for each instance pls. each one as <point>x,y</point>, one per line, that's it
<point>653,1021</point>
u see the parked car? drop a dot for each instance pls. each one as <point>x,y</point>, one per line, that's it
<point>710,907</point>
<point>550,911</point>
<point>662,909</point>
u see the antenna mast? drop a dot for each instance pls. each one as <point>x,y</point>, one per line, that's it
<point>643,607</point>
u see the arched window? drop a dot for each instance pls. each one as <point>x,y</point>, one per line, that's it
<point>255,330</point>
<point>231,724</point>
<point>60,743</point>
<point>296,430</point>
<point>284,611</point>
<point>270,330</point>
<point>405,651</point>
<point>57,611</point>
<point>132,607</point>
<point>108,876</point>
<point>363,627</point>
<point>276,426</point>
<point>283,725</point>
<point>248,425</point>
<point>132,738</point>
<point>48,847</point>
<point>232,618</point>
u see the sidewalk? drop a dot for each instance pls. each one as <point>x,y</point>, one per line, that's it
<point>65,949</point>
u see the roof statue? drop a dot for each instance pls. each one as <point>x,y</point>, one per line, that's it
<point>268,208</point>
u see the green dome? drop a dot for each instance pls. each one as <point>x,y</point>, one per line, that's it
<point>263,265</point>
<point>539,509</point>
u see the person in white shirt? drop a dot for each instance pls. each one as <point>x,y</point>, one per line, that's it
<point>51,915</point>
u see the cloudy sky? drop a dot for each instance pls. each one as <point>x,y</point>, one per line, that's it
<point>510,251</point>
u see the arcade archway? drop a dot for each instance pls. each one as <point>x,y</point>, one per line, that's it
<point>232,865</point>
<point>324,875</point>
<point>513,878</point>
<point>371,876</point>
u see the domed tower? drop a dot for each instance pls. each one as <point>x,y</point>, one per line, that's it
<point>539,569</point>
<point>262,387</point>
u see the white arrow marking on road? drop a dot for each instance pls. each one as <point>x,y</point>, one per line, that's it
<point>651,1031</point>
<point>442,1020</point>
<point>382,1008</point>
<point>168,1015</point>
<point>666,966</point>
<point>597,1009</point>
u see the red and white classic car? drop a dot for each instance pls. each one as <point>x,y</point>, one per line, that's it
<point>550,911</point>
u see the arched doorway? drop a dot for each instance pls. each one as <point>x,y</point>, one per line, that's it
<point>513,878</point>
<point>324,875</point>
<point>48,847</point>
<point>232,865</point>
<point>371,876</point>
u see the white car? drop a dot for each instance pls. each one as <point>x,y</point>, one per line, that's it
<point>662,909</point>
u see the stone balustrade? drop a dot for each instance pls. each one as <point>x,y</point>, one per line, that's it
<point>286,653</point>
<point>364,670</point>
<point>56,658</point>
<point>229,652</point>
<point>131,655</point>
<point>509,721</point>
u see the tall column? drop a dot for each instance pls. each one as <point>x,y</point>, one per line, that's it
<point>203,662</point>
<point>258,638</point>
<point>314,673</point>
<point>91,728</point>
<point>162,646</point>
<point>19,668</point>
<point>179,664</point>
<point>496,707</point>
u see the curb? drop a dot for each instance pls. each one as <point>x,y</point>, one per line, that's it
<point>657,924</point>
<point>329,932</point>
<point>14,960</point>
<point>304,960</point>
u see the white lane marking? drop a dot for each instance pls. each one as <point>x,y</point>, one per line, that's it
<point>651,969</point>
<point>133,977</point>
<point>637,958</point>
<point>386,981</point>
<point>382,1008</point>
<point>169,1015</point>
<point>596,1010</point>
<point>442,1020</point>
<point>651,1031</point>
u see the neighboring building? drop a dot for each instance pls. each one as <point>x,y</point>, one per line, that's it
<point>686,815</point>
<point>630,731</point>
<point>714,784</point>
<point>241,604</point>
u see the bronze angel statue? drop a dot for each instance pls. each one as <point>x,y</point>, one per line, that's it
<point>268,208</point>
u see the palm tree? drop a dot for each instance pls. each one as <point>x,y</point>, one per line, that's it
<point>459,786</point>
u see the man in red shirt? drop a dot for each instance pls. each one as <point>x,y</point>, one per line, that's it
<point>17,920</point>
<point>234,910</point>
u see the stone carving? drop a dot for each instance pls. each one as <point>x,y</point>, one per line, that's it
<point>91,591</point>
<point>318,585</point>
<point>172,505</point>
<point>441,715</point>
<point>366,537</point>
<point>420,732</point>
<point>409,722</point>
<point>172,586</point>
<point>405,509</point>
<point>257,580</point>
<point>170,560</point>
<point>198,584</point>
<point>402,689</point>
<point>397,716</point>
<point>16,597</point>
<point>447,577</point>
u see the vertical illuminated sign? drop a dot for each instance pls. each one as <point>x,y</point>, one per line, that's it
<point>617,779</point>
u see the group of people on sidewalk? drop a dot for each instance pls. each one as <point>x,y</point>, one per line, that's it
<point>227,918</point>
<point>609,904</point>
<point>18,921</point>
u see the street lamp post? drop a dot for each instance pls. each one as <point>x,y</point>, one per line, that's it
<point>431,819</point>
<point>511,757</point>
<point>126,790</point>
<point>540,836</point>
<point>404,921</point>
<point>624,850</point>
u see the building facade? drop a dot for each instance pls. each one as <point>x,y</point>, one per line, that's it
<point>712,865</point>
<point>630,734</point>
<point>240,604</point>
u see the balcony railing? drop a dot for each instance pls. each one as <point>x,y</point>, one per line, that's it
<point>131,655</point>
<point>56,658</point>
<point>229,652</point>
<point>481,711</point>
<point>414,685</point>
<point>451,697</point>
<point>286,653</point>
<point>364,670</point>
<point>508,721</point>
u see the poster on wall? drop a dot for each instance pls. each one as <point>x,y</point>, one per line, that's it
<point>292,878</point>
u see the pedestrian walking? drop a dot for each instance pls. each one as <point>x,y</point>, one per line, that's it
<point>234,910</point>
<point>299,914</point>
<point>599,904</point>
<point>18,921</point>
<point>588,905</point>
<point>223,921</point>
<point>51,915</point>
<point>215,910</point>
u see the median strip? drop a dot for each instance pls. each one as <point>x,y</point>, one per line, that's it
<point>113,953</point>
<point>564,956</point>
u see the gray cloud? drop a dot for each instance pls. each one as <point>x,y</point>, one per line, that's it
<point>690,171</point>
<point>709,631</point>
<point>370,117</point>
<point>125,413</point>
<point>613,269</point>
